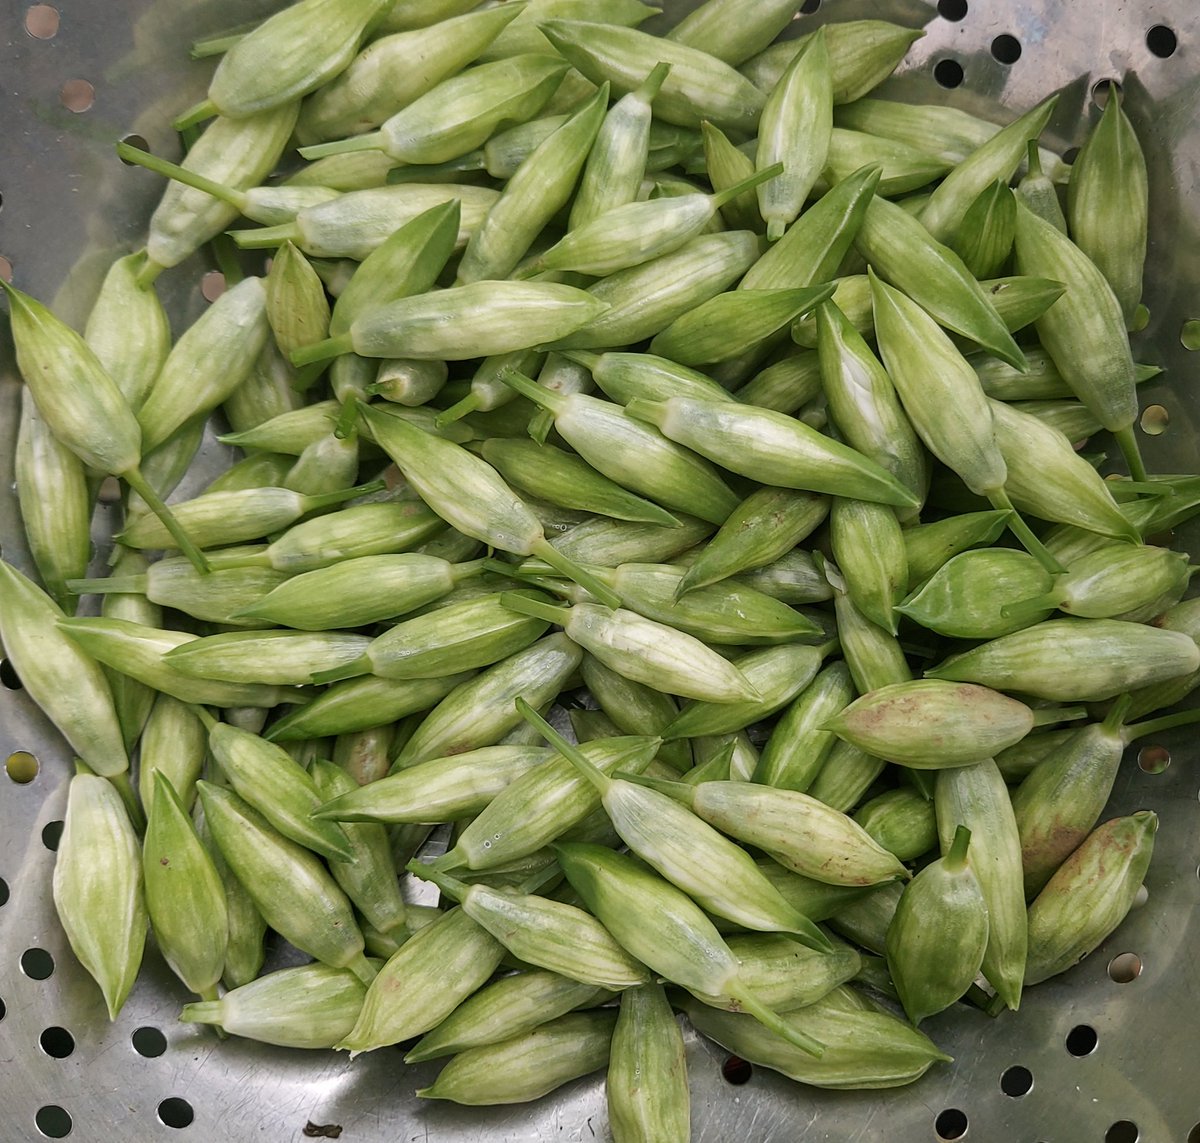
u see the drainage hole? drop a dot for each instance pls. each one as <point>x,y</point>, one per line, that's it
<point>41,22</point>
<point>1016,1081</point>
<point>1154,420</point>
<point>1153,759</point>
<point>57,1042</point>
<point>52,835</point>
<point>1006,49</point>
<point>1082,1040</point>
<point>951,1124</point>
<point>737,1071</point>
<point>1162,42</point>
<point>137,141</point>
<point>22,766</point>
<point>37,964</point>
<point>77,95</point>
<point>212,285</point>
<point>1125,968</point>
<point>176,1112</point>
<point>1101,90</point>
<point>149,1042</point>
<point>53,1121</point>
<point>948,73</point>
<point>1123,1131</point>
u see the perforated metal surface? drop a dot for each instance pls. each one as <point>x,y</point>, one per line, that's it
<point>68,206</point>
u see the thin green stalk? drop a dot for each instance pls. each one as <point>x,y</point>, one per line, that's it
<point>956,858</point>
<point>1047,716</point>
<point>1157,725</point>
<point>1131,452</point>
<point>368,142</point>
<point>544,550</point>
<point>999,499</point>
<point>568,750</point>
<point>134,478</point>
<point>196,114</point>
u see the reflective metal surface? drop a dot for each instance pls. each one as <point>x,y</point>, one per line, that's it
<point>68,206</point>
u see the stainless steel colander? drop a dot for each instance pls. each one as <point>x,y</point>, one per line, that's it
<point>1107,1053</point>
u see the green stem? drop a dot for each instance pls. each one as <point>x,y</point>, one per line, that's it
<point>215,45</point>
<point>535,608</point>
<point>999,499</point>
<point>771,1020</point>
<point>134,478</point>
<point>652,84</point>
<point>206,717</point>
<point>956,857</point>
<point>1114,721</point>
<point>329,499</point>
<point>1157,725</point>
<point>1035,160</point>
<point>720,198</point>
<point>541,396</point>
<point>265,237</point>
<point>470,569</point>
<point>346,419</point>
<point>180,174</point>
<point>1030,610</point>
<point>451,886</point>
<point>457,411</point>
<point>543,549</point>
<point>360,666</point>
<point>363,969</point>
<point>680,791</point>
<point>1131,452</point>
<point>204,1012</point>
<point>122,784</point>
<point>203,110</point>
<point>568,750</point>
<point>322,350</point>
<point>1048,716</point>
<point>372,141</point>
<point>113,585</point>
<point>540,425</point>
